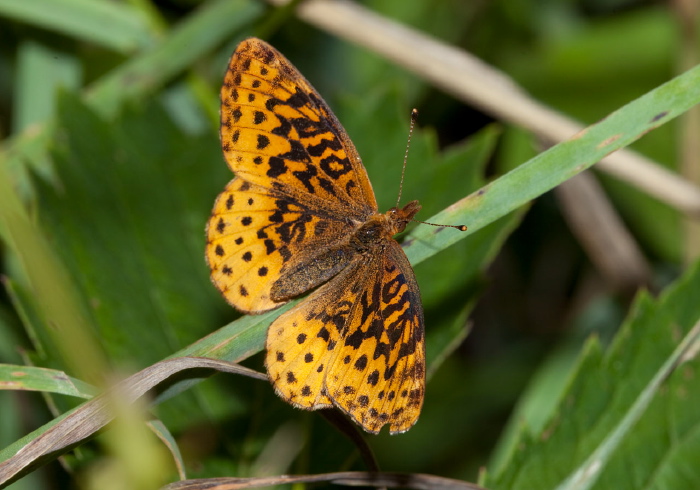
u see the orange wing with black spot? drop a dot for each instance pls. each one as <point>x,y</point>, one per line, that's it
<point>300,186</point>
<point>356,343</point>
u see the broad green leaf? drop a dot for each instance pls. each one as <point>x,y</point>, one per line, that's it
<point>135,249</point>
<point>628,418</point>
<point>56,300</point>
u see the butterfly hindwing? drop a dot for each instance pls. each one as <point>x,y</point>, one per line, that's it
<point>301,344</point>
<point>356,342</point>
<point>382,356</point>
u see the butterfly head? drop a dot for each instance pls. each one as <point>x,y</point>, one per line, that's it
<point>399,217</point>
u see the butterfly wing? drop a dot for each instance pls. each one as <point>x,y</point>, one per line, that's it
<point>300,185</point>
<point>277,131</point>
<point>356,343</point>
<point>253,233</point>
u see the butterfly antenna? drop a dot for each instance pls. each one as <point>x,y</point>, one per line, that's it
<point>459,227</point>
<point>414,116</point>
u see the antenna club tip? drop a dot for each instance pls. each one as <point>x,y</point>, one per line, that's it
<point>414,113</point>
<point>462,227</point>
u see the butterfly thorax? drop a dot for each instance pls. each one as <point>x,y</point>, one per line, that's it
<point>383,226</point>
<point>320,264</point>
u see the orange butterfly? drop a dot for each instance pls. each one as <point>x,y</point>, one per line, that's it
<point>300,213</point>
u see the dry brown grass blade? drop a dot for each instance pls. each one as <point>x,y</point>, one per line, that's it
<point>602,234</point>
<point>350,478</point>
<point>84,421</point>
<point>471,80</point>
<point>687,14</point>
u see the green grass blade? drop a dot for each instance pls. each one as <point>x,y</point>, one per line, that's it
<point>559,163</point>
<point>536,176</point>
<point>82,422</point>
<point>214,22</point>
<point>114,25</point>
<point>41,71</point>
<point>162,432</point>
<point>41,379</point>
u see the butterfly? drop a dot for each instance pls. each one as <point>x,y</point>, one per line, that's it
<point>300,215</point>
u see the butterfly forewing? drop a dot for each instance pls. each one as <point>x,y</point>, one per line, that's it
<point>276,130</point>
<point>300,186</point>
<point>253,233</point>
